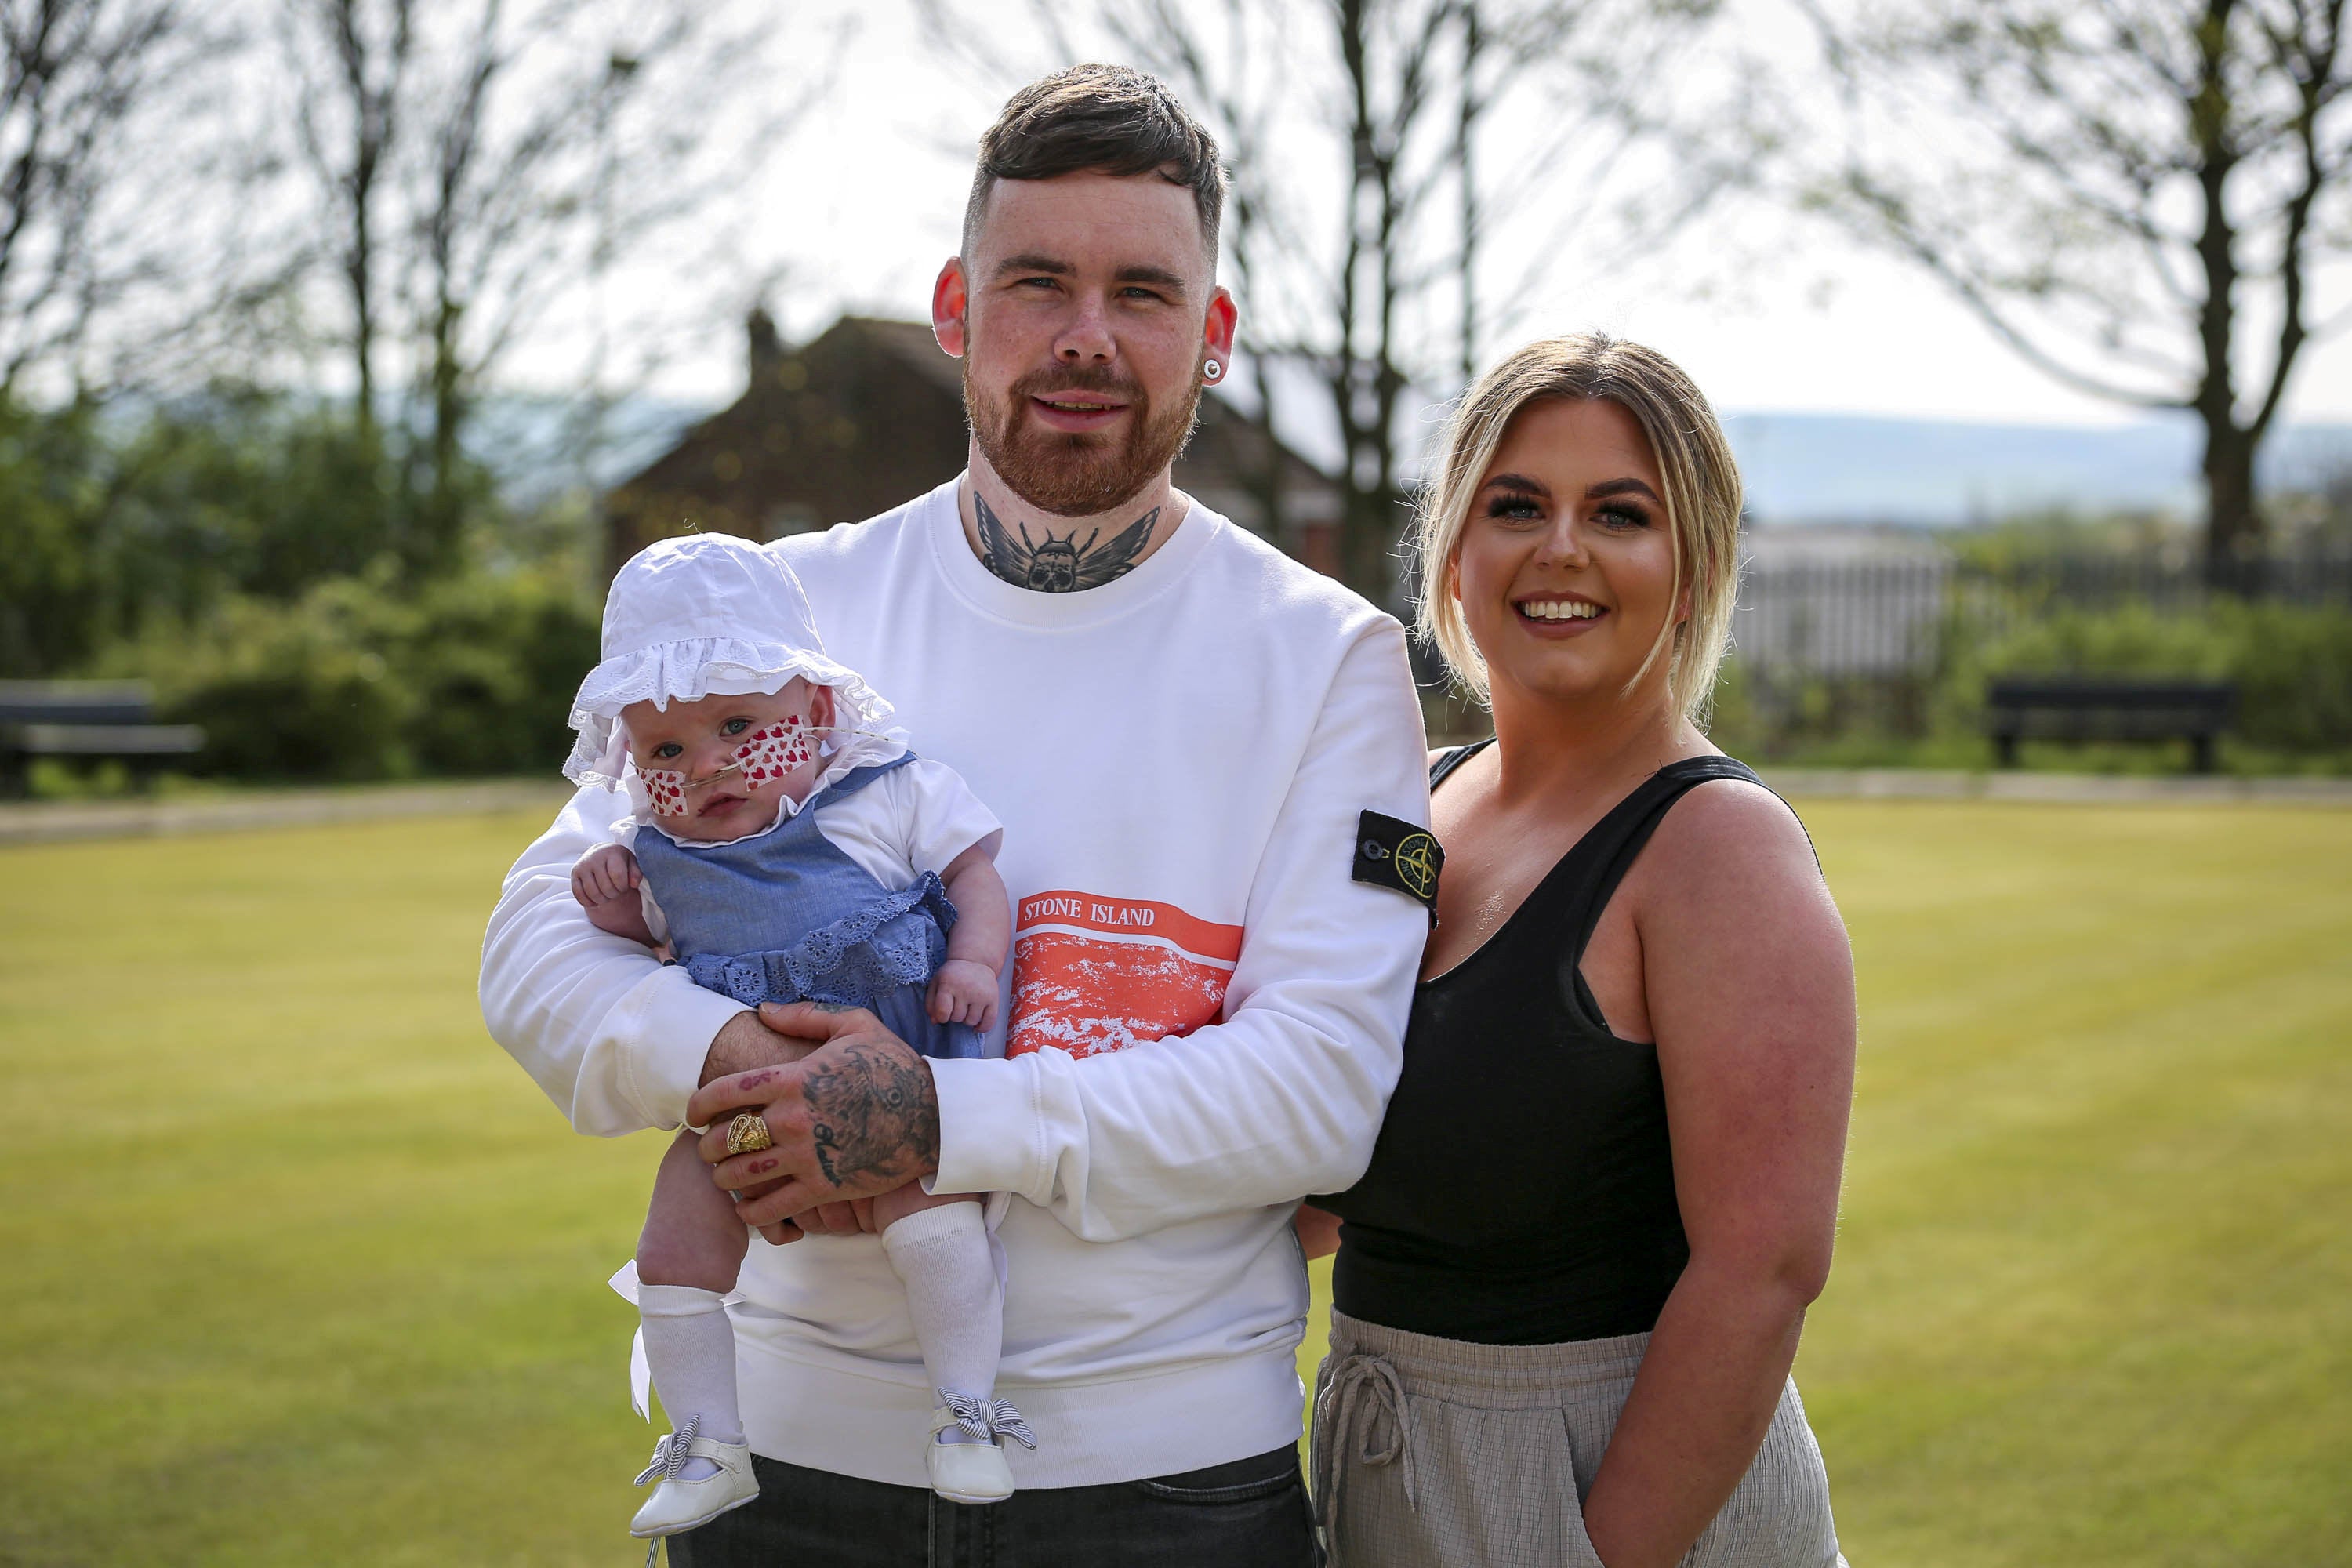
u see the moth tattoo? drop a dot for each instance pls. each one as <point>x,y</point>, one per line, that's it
<point>1059,564</point>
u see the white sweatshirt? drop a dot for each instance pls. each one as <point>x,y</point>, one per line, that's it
<point>1179,758</point>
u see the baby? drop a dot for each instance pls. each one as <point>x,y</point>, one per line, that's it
<point>783,846</point>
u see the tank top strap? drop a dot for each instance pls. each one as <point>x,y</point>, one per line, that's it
<point>1600,859</point>
<point>1453,758</point>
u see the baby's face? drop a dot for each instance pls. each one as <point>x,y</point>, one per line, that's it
<point>700,740</point>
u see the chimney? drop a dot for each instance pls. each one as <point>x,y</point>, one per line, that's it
<point>767,348</point>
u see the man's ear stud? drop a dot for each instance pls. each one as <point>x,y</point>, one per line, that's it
<point>1212,370</point>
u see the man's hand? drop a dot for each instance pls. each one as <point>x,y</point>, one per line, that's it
<point>743,1043</point>
<point>858,1117</point>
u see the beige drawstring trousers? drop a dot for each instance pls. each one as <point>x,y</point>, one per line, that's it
<point>1433,1453</point>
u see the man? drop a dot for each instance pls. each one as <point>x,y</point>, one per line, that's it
<point>1183,733</point>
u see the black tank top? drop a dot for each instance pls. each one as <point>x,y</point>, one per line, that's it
<point>1522,1191</point>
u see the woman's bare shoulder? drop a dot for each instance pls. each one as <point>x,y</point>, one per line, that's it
<point>1731,841</point>
<point>1742,945</point>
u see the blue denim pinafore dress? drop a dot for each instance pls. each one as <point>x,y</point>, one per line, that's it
<point>787,917</point>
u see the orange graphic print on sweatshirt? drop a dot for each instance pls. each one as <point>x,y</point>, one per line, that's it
<point>1092,973</point>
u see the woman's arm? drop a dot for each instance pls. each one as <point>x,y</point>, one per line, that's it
<point>1318,1231</point>
<point>615,1038</point>
<point>1749,984</point>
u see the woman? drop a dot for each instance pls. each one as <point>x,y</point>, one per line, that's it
<point>1606,1188</point>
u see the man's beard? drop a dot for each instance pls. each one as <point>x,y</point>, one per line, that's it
<point>1080,475</point>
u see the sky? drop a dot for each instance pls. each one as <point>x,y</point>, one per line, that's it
<point>862,203</point>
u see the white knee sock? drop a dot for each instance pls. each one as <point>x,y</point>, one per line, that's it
<point>691,1347</point>
<point>944,1256</point>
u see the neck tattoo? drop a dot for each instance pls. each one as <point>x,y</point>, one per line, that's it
<point>1059,565</point>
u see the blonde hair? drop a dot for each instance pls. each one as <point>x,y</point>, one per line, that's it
<point>1702,498</point>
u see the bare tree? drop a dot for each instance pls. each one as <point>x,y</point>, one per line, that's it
<point>2139,197</point>
<point>553,139</point>
<point>76,78</point>
<point>352,58</point>
<point>475,165</point>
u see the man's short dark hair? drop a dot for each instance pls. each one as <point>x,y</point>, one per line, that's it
<point>1100,120</point>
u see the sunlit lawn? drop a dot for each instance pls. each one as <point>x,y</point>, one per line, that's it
<point>301,1269</point>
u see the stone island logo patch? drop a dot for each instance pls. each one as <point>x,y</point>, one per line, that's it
<point>1393,854</point>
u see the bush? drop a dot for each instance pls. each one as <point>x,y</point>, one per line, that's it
<point>2292,663</point>
<point>2293,670</point>
<point>114,517</point>
<point>492,664</point>
<point>53,587</point>
<point>302,690</point>
<point>352,681</point>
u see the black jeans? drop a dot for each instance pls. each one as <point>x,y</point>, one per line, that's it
<point>1251,1514</point>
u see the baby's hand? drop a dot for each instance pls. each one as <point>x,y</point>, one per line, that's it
<point>963,992</point>
<point>604,875</point>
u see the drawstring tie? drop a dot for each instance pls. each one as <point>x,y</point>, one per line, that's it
<point>1370,1382</point>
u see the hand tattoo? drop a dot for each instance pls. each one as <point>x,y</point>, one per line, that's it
<point>1059,565</point>
<point>872,1111</point>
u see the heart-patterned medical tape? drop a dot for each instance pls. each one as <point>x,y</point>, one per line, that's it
<point>765,755</point>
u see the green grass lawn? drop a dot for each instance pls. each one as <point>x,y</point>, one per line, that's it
<point>303,1270</point>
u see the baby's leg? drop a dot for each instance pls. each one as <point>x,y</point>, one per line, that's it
<point>687,1258</point>
<point>691,1234</point>
<point>939,1247</point>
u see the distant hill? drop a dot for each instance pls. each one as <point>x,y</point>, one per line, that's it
<point>1829,467</point>
<point>1855,468</point>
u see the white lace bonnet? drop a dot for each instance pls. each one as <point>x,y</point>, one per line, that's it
<point>688,617</point>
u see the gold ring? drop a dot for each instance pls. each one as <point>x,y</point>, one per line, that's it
<point>748,1133</point>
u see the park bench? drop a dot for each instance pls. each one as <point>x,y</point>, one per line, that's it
<point>2080,708</point>
<point>86,718</point>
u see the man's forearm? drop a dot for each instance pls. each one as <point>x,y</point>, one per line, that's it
<point>613,1037</point>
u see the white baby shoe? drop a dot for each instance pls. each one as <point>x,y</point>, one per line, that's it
<point>681,1504</point>
<point>974,1472</point>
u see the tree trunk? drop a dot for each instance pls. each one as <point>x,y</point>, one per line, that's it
<point>1357,525</point>
<point>2232,526</point>
<point>1368,532</point>
<point>444,518</point>
<point>1265,476</point>
<point>359,272</point>
<point>1465,145</point>
<point>2229,519</point>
